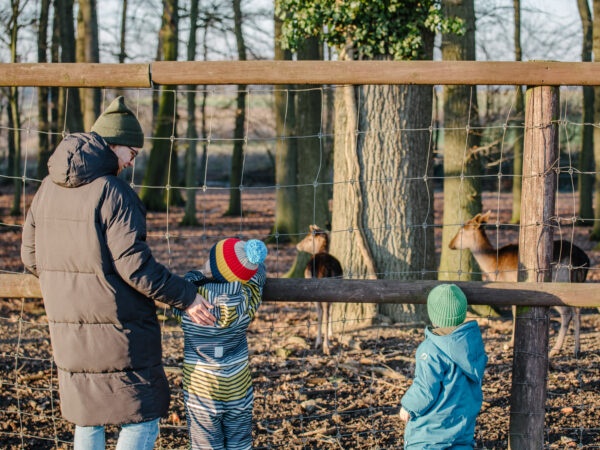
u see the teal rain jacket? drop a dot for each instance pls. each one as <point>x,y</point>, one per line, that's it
<point>445,397</point>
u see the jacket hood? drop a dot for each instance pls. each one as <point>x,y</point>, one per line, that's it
<point>80,158</point>
<point>465,347</point>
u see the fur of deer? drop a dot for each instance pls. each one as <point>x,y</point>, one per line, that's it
<point>569,263</point>
<point>321,265</point>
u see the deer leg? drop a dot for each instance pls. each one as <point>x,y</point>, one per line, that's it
<point>326,324</point>
<point>319,306</point>
<point>566,314</point>
<point>514,325</point>
<point>576,328</point>
<point>329,321</point>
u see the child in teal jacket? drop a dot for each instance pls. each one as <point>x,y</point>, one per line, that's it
<point>442,404</point>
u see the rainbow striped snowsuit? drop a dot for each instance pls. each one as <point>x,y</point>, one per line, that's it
<point>217,385</point>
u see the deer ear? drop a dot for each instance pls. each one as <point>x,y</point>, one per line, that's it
<point>312,227</point>
<point>486,217</point>
<point>476,220</point>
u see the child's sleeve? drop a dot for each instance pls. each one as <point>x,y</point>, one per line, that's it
<point>195,277</point>
<point>253,290</point>
<point>427,384</point>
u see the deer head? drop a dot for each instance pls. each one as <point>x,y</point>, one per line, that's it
<point>471,235</point>
<point>317,241</point>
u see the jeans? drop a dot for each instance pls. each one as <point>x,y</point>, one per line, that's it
<point>133,436</point>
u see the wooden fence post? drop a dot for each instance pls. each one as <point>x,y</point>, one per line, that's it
<point>530,356</point>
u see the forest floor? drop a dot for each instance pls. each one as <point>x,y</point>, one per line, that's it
<point>303,399</point>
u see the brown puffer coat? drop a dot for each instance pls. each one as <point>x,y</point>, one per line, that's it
<point>85,238</point>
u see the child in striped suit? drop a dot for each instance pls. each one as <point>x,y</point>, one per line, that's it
<point>217,386</point>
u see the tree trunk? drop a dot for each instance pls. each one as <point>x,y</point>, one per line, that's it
<point>286,213</point>
<point>123,34</point>
<point>517,123</point>
<point>10,141</point>
<point>312,180</point>
<point>162,163</point>
<point>122,42</point>
<point>203,125</point>
<point>237,158</point>
<point>191,159</point>
<point>43,92</point>
<point>595,235</point>
<point>69,102</point>
<point>54,95</point>
<point>585,182</point>
<point>88,51</point>
<point>382,194</point>
<point>519,136</point>
<point>15,117</point>
<point>462,164</point>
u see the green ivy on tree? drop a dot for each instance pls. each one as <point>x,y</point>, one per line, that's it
<point>371,28</point>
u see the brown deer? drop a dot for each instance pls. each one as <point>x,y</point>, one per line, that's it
<point>321,265</point>
<point>569,263</point>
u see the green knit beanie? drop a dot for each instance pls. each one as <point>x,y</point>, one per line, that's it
<point>447,305</point>
<point>118,125</point>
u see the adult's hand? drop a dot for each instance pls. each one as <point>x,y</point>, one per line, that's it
<point>199,311</point>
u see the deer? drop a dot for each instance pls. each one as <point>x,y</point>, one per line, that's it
<point>569,263</point>
<point>321,265</point>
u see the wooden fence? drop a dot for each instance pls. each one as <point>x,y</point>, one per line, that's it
<point>529,374</point>
<point>534,73</point>
<point>381,291</point>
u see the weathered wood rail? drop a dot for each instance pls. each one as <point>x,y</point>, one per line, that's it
<point>380,291</point>
<point>145,75</point>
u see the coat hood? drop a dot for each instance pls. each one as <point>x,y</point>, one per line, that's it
<point>80,158</point>
<point>465,347</point>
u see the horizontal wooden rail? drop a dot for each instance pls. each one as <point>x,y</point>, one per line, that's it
<point>144,75</point>
<point>380,291</point>
<point>17,285</point>
<point>533,73</point>
<point>84,75</point>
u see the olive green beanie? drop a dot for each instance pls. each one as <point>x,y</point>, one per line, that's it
<point>118,125</point>
<point>447,306</point>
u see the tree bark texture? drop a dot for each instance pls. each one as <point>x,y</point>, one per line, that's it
<point>517,122</point>
<point>88,51</point>
<point>191,156</point>
<point>596,51</point>
<point>162,163</point>
<point>15,117</point>
<point>286,159</point>
<point>69,101</point>
<point>585,181</point>
<point>382,196</point>
<point>313,174</point>
<point>313,171</point>
<point>462,165</point>
<point>43,92</point>
<point>237,158</point>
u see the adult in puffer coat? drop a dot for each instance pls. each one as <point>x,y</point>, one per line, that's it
<point>442,404</point>
<point>85,238</point>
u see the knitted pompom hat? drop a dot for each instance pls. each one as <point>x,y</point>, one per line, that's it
<point>236,260</point>
<point>447,305</point>
<point>118,125</point>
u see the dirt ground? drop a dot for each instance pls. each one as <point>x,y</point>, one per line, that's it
<point>303,399</point>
